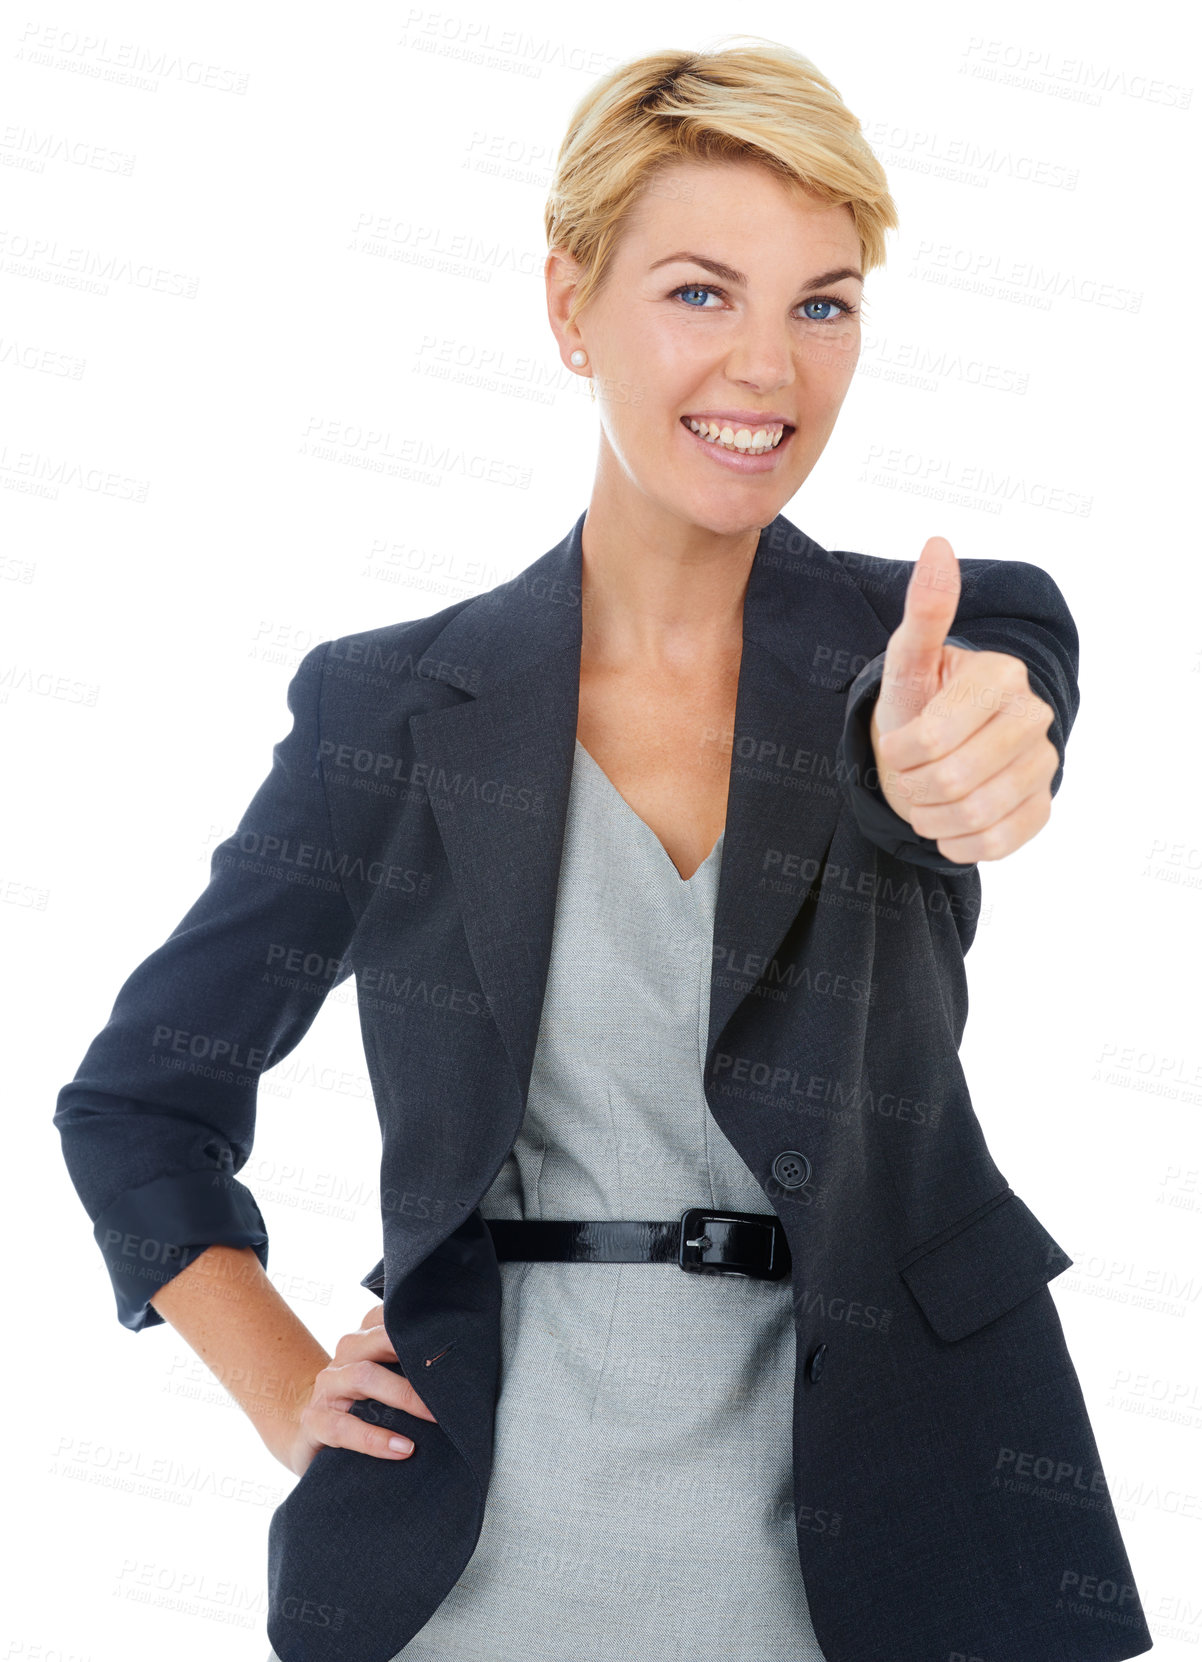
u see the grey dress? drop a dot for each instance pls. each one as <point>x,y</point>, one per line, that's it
<point>641,1500</point>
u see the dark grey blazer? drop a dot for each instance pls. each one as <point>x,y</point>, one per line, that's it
<point>948,1491</point>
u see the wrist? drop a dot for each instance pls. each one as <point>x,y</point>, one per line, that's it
<point>278,1421</point>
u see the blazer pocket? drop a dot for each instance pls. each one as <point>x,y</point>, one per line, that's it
<point>374,1280</point>
<point>968,1276</point>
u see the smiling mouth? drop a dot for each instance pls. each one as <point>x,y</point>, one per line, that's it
<point>743,440</point>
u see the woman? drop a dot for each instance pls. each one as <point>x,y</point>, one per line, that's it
<point>656,974</point>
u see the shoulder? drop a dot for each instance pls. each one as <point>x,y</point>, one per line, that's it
<point>1002,587</point>
<point>404,652</point>
<point>392,670</point>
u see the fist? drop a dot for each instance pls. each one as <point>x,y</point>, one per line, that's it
<point>959,738</point>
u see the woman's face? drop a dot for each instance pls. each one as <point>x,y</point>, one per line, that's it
<point>773,338</point>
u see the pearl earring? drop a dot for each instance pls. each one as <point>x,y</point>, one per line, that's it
<point>579,358</point>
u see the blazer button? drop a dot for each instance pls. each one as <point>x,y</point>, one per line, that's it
<point>816,1364</point>
<point>791,1169</point>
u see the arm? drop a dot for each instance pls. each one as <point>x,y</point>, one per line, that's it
<point>160,1116</point>
<point>1007,606</point>
<point>234,1319</point>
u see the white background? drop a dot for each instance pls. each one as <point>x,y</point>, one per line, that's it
<point>190,297</point>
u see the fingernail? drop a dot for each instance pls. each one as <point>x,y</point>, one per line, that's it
<point>402,1445</point>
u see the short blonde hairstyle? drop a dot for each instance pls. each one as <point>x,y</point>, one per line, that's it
<point>764,103</point>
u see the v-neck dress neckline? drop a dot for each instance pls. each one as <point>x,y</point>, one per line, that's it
<point>716,850</point>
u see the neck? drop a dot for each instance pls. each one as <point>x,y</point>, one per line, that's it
<point>658,592</point>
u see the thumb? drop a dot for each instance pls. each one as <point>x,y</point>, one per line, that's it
<point>914,654</point>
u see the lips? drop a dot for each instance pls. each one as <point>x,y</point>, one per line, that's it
<point>738,418</point>
<point>732,458</point>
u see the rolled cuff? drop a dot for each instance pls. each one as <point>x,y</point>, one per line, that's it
<point>858,771</point>
<point>149,1234</point>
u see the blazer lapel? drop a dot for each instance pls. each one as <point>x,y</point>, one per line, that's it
<point>498,767</point>
<point>781,810</point>
<point>502,825</point>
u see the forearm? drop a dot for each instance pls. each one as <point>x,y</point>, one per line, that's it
<point>227,1309</point>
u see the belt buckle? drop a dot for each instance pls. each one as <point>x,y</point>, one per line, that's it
<point>713,1242</point>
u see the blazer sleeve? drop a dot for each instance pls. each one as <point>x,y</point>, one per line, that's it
<point>1006,606</point>
<point>160,1116</point>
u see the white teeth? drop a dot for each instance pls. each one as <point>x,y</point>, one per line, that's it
<point>738,438</point>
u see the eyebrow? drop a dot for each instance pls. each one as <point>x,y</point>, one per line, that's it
<point>730,275</point>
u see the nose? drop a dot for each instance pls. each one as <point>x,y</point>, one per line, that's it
<point>761,356</point>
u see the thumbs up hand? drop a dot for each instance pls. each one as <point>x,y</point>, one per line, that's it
<point>959,738</point>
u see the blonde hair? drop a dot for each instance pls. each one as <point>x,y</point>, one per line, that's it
<point>763,103</point>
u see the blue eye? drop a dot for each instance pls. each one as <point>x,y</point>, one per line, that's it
<point>843,308</point>
<point>824,300</point>
<point>696,288</point>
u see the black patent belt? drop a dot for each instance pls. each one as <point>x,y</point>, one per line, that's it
<point>705,1241</point>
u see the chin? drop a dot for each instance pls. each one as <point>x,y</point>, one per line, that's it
<point>732,511</point>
